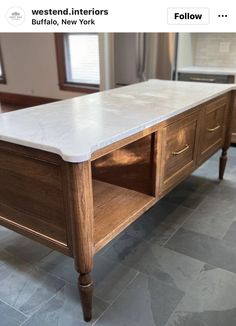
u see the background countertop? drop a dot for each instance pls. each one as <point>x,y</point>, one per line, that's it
<point>208,70</point>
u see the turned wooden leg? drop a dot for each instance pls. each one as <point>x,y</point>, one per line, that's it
<point>85,285</point>
<point>228,135</point>
<point>223,161</point>
<point>81,201</point>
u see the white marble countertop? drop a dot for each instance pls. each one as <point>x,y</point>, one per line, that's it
<point>208,70</point>
<point>77,127</point>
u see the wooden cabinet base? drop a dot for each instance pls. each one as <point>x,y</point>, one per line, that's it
<point>77,208</point>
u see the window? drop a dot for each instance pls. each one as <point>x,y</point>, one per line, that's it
<point>2,71</point>
<point>78,61</point>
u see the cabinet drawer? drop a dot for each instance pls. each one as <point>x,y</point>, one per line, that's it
<point>179,150</point>
<point>212,126</point>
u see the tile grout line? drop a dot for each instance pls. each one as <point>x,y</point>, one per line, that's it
<point>45,256</point>
<point>206,263</point>
<point>131,236</point>
<point>180,226</point>
<point>72,284</point>
<point>189,287</point>
<point>97,296</point>
<point>191,210</point>
<point>207,196</point>
<point>112,303</point>
<point>55,276</point>
<point>43,305</point>
<point>186,291</point>
<point>66,282</point>
<point>25,320</point>
<point>126,267</point>
<point>3,301</point>
<point>166,324</point>
<point>152,276</point>
<point>25,260</point>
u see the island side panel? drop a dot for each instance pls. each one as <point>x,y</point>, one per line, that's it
<point>32,196</point>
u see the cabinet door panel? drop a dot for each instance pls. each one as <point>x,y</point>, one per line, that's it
<point>213,126</point>
<point>179,150</point>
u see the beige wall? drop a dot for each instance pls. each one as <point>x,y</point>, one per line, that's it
<point>207,49</point>
<point>30,65</point>
<point>165,55</point>
<point>215,49</point>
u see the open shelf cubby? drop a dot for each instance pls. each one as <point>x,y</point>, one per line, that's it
<point>123,188</point>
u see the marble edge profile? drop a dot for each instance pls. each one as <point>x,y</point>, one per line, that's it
<point>73,157</point>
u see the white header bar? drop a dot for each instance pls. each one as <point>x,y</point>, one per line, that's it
<point>117,16</point>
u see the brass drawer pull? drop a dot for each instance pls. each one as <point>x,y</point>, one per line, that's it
<point>213,129</point>
<point>182,150</point>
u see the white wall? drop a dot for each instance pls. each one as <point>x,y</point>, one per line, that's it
<point>215,50</point>
<point>125,58</point>
<point>30,65</point>
<point>107,64</point>
<point>186,50</point>
<point>207,49</point>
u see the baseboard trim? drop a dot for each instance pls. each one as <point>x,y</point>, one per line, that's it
<point>24,100</point>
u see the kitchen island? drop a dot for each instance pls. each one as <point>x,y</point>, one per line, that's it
<point>75,173</point>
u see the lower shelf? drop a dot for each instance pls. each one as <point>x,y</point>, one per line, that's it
<point>114,209</point>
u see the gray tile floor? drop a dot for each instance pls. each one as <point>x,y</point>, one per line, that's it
<point>175,266</point>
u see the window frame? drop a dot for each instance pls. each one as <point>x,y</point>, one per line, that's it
<point>3,79</point>
<point>64,84</point>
